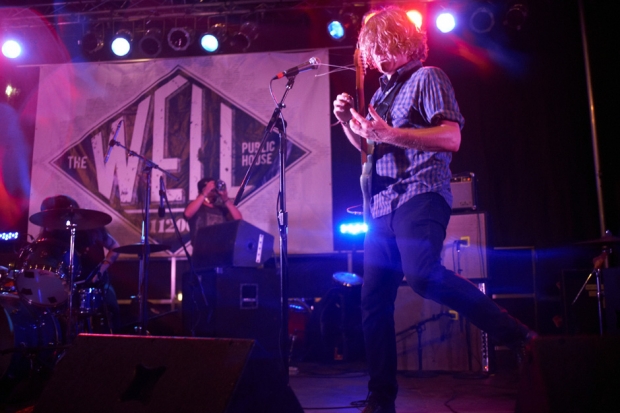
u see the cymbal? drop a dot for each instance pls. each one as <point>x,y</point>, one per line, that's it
<point>80,218</point>
<point>138,247</point>
<point>604,240</point>
<point>348,279</point>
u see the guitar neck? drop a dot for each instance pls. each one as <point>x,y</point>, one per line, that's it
<point>365,145</point>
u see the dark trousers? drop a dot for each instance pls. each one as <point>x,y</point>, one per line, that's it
<point>408,242</point>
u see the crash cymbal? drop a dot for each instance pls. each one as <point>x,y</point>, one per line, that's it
<point>79,218</point>
<point>137,248</point>
<point>606,239</point>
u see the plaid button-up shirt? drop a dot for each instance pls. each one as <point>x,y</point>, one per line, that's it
<point>399,174</point>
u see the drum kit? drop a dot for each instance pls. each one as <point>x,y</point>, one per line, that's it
<point>43,304</point>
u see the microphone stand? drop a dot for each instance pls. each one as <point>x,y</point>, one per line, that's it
<point>146,250</point>
<point>162,193</point>
<point>282,218</point>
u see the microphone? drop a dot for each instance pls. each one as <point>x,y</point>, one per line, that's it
<point>162,190</point>
<point>112,142</point>
<point>311,64</point>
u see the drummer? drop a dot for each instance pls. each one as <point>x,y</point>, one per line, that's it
<point>90,248</point>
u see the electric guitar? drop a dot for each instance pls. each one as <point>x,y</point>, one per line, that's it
<point>366,145</point>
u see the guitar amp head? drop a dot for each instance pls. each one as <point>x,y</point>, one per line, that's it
<point>463,187</point>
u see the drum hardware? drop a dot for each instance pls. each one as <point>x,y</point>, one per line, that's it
<point>299,313</point>
<point>41,275</point>
<point>348,279</point>
<point>90,301</point>
<point>138,248</point>
<point>30,338</point>
<point>71,219</point>
<point>7,282</point>
<point>143,276</point>
<point>599,262</point>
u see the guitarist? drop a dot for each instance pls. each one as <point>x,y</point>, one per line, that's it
<point>416,123</point>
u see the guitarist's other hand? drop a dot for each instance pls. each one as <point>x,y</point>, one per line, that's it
<point>342,107</point>
<point>375,129</point>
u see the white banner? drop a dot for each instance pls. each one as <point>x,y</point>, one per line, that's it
<point>194,117</point>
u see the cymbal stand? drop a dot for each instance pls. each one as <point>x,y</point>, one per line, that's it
<point>71,322</point>
<point>144,262</point>
<point>599,262</point>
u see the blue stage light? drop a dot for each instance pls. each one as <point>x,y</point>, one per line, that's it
<point>336,30</point>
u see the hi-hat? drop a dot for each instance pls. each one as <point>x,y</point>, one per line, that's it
<point>606,239</point>
<point>71,217</point>
<point>138,248</point>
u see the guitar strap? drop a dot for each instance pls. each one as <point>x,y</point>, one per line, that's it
<point>383,108</point>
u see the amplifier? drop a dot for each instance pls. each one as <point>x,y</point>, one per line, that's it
<point>463,187</point>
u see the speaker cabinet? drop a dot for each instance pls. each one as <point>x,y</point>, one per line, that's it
<point>464,248</point>
<point>237,303</point>
<point>577,374</point>
<point>118,374</point>
<point>444,344</point>
<point>236,243</point>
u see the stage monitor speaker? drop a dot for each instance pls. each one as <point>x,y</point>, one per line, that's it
<point>236,243</point>
<point>123,374</point>
<point>465,245</point>
<point>240,303</point>
<point>577,374</point>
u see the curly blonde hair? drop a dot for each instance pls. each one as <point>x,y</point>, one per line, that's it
<point>391,30</point>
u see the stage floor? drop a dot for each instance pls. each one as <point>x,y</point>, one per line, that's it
<point>342,388</point>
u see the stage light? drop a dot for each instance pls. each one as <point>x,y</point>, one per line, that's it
<point>482,20</point>
<point>179,38</point>
<point>342,25</point>
<point>150,44</point>
<point>516,16</point>
<point>10,91</point>
<point>121,44</point>
<point>335,30</point>
<point>445,22</point>
<point>209,42</point>
<point>213,40</point>
<point>416,17</point>
<point>354,228</point>
<point>91,42</point>
<point>11,49</point>
<point>242,40</point>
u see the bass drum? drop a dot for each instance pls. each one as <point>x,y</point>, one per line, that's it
<point>29,339</point>
<point>42,279</point>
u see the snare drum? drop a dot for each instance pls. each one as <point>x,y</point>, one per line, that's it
<point>43,276</point>
<point>27,335</point>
